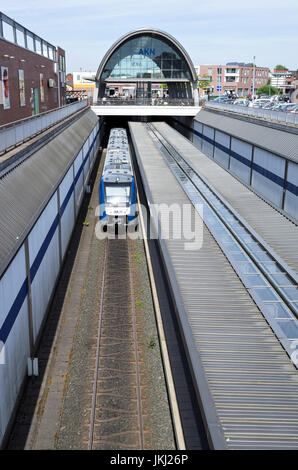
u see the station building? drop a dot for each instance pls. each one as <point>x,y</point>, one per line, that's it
<point>144,62</point>
<point>32,73</point>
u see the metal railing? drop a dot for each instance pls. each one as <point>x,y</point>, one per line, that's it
<point>144,102</point>
<point>269,114</point>
<point>14,133</point>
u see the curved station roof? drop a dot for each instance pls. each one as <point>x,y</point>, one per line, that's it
<point>146,55</point>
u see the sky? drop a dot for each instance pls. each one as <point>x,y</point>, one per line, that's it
<point>212,31</point>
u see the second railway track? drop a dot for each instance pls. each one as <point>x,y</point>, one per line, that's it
<point>116,409</point>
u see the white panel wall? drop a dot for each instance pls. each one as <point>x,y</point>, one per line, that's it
<point>67,219</point>
<point>17,348</point>
<point>207,148</point>
<point>79,185</point>
<point>17,345</point>
<point>87,163</point>
<point>219,155</point>
<point>197,141</point>
<point>264,185</point>
<point>236,166</point>
<point>43,283</point>
<point>291,200</point>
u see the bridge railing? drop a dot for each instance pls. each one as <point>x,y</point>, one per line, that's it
<point>284,117</point>
<point>144,102</point>
<point>14,133</point>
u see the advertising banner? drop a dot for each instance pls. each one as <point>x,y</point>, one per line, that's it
<point>5,88</point>
<point>41,87</point>
<point>22,88</point>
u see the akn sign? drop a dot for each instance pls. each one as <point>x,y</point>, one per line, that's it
<point>146,51</point>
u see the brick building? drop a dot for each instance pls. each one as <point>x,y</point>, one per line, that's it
<point>238,78</point>
<point>32,73</point>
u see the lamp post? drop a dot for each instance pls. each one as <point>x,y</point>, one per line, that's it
<point>253,77</point>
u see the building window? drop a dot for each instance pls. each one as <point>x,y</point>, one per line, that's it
<point>219,71</point>
<point>210,72</point>
<point>30,43</point>
<point>38,46</point>
<point>8,32</point>
<point>20,38</point>
<point>218,79</point>
<point>146,57</point>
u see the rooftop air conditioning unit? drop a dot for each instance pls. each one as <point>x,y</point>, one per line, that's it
<point>52,83</point>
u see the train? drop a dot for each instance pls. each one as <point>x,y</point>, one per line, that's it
<point>117,188</point>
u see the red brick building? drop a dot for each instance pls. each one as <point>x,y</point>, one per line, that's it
<point>234,77</point>
<point>32,73</point>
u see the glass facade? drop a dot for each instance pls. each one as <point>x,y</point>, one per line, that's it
<point>146,57</point>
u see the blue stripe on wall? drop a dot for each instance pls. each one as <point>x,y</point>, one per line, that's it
<point>14,311</point>
<point>259,169</point>
<point>42,251</point>
<point>22,294</point>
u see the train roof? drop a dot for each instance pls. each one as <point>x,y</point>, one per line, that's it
<point>118,166</point>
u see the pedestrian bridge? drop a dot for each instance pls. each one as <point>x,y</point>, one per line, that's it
<point>128,108</point>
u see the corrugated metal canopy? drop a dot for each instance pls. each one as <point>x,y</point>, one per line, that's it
<point>25,190</point>
<point>247,384</point>
<point>274,140</point>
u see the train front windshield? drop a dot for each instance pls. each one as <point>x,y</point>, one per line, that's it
<point>117,195</point>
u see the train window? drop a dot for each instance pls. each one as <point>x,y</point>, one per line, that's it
<point>117,194</point>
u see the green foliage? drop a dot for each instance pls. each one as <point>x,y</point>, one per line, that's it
<point>204,83</point>
<point>267,90</point>
<point>280,67</point>
<point>152,343</point>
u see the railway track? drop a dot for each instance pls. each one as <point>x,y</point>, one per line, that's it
<point>270,282</point>
<point>116,410</point>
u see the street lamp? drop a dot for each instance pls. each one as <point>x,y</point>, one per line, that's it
<point>253,77</point>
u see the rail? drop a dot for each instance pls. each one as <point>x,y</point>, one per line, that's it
<point>14,133</point>
<point>283,117</point>
<point>145,102</point>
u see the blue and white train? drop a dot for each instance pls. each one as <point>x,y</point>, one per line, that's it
<point>117,190</point>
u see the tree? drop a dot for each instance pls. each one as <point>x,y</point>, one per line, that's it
<point>280,67</point>
<point>204,83</point>
<point>267,90</point>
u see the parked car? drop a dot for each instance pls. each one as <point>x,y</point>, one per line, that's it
<point>259,103</point>
<point>289,107</point>
<point>241,102</point>
<point>222,99</point>
<point>284,107</point>
<point>295,110</point>
<point>269,105</point>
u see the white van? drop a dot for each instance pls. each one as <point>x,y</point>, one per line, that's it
<point>259,102</point>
